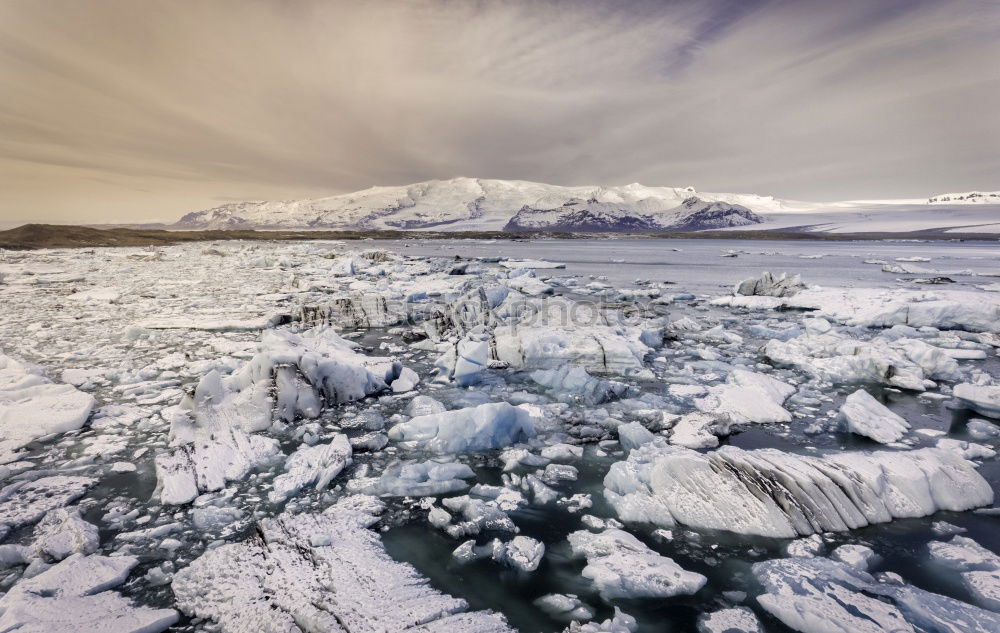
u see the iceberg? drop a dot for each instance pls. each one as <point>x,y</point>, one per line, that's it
<point>32,406</point>
<point>576,383</point>
<point>984,400</point>
<point>26,502</point>
<point>415,479</point>
<point>867,416</point>
<point>214,430</point>
<point>312,465</point>
<point>482,428</point>
<point>768,492</point>
<point>978,567</point>
<point>769,285</point>
<point>74,596</point>
<point>818,595</point>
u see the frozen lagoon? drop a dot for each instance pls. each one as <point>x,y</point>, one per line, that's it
<point>138,328</point>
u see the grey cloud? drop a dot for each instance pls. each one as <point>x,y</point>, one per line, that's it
<point>119,110</point>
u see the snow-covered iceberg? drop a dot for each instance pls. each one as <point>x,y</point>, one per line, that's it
<point>32,406</point>
<point>818,595</point>
<point>982,399</point>
<point>320,573</point>
<point>867,416</point>
<point>768,492</point>
<point>74,596</point>
<point>291,376</point>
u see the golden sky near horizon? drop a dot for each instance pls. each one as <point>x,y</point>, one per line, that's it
<point>136,110</point>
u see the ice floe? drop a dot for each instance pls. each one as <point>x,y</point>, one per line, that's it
<point>314,573</point>
<point>32,406</point>
<point>74,596</point>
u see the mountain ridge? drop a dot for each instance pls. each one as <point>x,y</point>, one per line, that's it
<point>477,204</point>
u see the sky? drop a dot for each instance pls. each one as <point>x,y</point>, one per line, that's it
<point>138,110</point>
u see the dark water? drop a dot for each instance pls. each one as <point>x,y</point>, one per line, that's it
<point>725,558</point>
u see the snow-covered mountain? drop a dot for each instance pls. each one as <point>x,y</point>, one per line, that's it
<point>475,204</point>
<point>481,204</point>
<point>969,197</point>
<point>694,214</point>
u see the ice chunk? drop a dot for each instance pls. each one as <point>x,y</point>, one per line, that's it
<point>514,458</point>
<point>73,596</point>
<point>291,376</point>
<point>620,623</point>
<point>633,435</point>
<point>735,620</point>
<point>696,430</point>
<point>479,515</point>
<point>867,416</point>
<point>353,311</point>
<point>859,556</point>
<point>312,465</point>
<point>818,595</point>
<point>815,595</point>
<point>968,450</point>
<point>984,400</point>
<point>25,502</point>
<point>770,286</point>
<point>562,452</point>
<point>805,547</point>
<point>978,566</point>
<point>32,406</point>
<point>982,430</point>
<point>905,363</point>
<point>308,371</point>
<point>176,478</point>
<point>488,426</point>
<point>218,450</point>
<point>438,517</point>
<point>415,479</point>
<point>575,382</point>
<point>599,350</point>
<point>748,397</point>
<point>565,607</point>
<point>316,573</point>
<point>214,518</point>
<point>424,405</point>
<point>771,493</point>
<point>530,263</point>
<point>407,381</point>
<point>62,532</point>
<point>522,552</point>
<point>878,307</point>
<point>472,359</point>
<point>621,566</point>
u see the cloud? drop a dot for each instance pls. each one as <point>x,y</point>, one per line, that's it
<point>122,111</point>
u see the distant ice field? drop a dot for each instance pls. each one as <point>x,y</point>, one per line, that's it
<point>698,266</point>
